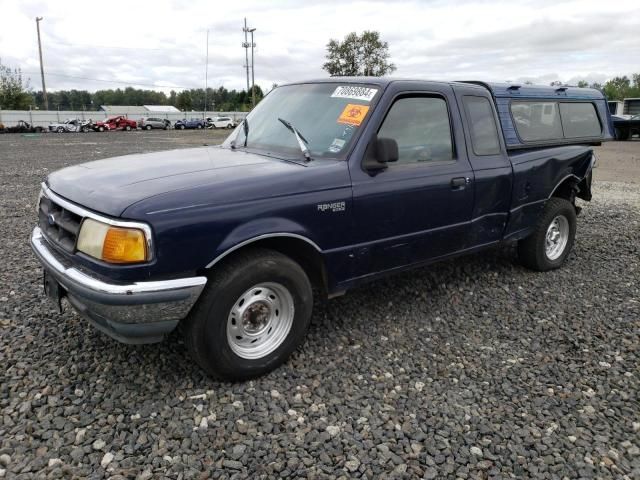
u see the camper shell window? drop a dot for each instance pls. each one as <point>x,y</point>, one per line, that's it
<point>541,121</point>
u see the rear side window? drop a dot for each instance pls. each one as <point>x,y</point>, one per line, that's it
<point>484,132</point>
<point>537,121</point>
<point>579,120</point>
<point>421,127</point>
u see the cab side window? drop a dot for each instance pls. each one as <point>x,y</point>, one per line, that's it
<point>421,127</point>
<point>484,132</point>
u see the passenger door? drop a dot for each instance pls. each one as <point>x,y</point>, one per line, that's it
<point>419,208</point>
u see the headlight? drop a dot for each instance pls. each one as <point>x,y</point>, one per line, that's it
<point>112,244</point>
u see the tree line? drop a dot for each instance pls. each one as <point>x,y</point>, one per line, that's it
<point>17,94</point>
<point>218,99</point>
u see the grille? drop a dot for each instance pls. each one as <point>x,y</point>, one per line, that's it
<point>60,226</point>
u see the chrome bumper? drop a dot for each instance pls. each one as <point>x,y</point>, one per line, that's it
<point>140,312</point>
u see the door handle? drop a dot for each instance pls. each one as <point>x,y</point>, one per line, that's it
<point>459,183</point>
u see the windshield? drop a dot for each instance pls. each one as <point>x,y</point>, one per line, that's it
<point>327,115</point>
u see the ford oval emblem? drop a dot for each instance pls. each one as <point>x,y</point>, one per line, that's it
<point>51,219</point>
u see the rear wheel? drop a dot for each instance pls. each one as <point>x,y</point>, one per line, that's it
<point>181,127</point>
<point>60,130</point>
<point>622,134</point>
<point>101,128</point>
<point>148,127</point>
<point>251,316</point>
<point>127,128</point>
<point>550,243</point>
<point>199,126</point>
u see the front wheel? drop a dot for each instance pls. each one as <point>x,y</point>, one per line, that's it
<point>128,128</point>
<point>251,316</point>
<point>550,243</point>
<point>148,127</point>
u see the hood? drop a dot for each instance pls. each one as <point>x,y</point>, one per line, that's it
<point>112,185</point>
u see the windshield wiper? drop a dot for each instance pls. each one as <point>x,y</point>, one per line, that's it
<point>245,126</point>
<point>301,140</point>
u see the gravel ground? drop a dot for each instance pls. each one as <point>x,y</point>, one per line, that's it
<point>473,368</point>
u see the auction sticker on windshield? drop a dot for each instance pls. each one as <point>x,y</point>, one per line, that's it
<point>353,114</point>
<point>355,92</point>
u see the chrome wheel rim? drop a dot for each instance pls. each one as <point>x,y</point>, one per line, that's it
<point>557,237</point>
<point>260,320</point>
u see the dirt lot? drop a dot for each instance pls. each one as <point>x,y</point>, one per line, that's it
<point>474,368</point>
<point>619,162</point>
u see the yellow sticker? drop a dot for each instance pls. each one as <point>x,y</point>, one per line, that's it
<point>353,114</point>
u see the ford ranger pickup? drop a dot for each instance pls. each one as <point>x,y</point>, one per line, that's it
<point>324,186</point>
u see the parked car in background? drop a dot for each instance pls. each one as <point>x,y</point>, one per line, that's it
<point>121,123</point>
<point>327,184</point>
<point>71,125</point>
<point>99,126</point>
<point>148,123</point>
<point>23,127</point>
<point>626,127</point>
<point>192,123</point>
<point>220,122</point>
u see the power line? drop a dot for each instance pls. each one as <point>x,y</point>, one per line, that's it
<point>119,82</point>
<point>84,45</point>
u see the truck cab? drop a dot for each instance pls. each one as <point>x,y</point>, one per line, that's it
<point>325,185</point>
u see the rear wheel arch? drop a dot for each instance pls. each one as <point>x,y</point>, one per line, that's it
<point>566,188</point>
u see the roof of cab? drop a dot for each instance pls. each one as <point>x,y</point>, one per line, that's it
<point>514,90</point>
<point>496,88</point>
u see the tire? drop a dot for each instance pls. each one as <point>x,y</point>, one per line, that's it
<point>552,239</point>
<point>622,134</point>
<point>60,130</point>
<point>85,129</point>
<point>148,127</point>
<point>271,283</point>
<point>101,129</point>
<point>199,127</point>
<point>127,128</point>
<point>229,126</point>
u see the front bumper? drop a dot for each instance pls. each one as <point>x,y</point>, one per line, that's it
<point>141,312</point>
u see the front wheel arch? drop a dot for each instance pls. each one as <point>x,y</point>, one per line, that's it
<point>300,249</point>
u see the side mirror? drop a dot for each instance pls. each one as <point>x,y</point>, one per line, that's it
<point>386,150</point>
<point>380,152</point>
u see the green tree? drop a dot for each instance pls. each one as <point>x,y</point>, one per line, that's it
<point>358,55</point>
<point>619,88</point>
<point>15,93</point>
<point>183,101</point>
<point>583,84</point>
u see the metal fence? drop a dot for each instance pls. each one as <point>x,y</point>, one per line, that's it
<point>42,118</point>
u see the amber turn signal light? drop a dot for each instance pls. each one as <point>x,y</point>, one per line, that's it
<point>124,245</point>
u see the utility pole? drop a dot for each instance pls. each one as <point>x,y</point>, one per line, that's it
<point>245,45</point>
<point>44,88</point>
<point>253,72</point>
<point>206,77</point>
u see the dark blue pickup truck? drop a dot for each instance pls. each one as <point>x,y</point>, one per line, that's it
<point>326,185</point>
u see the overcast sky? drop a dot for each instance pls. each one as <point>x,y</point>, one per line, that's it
<point>161,44</point>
